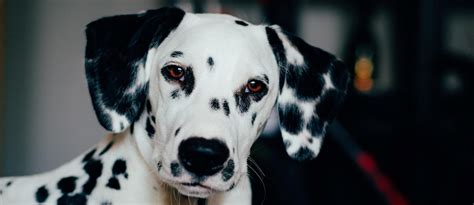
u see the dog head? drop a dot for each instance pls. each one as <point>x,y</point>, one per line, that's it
<point>197,90</point>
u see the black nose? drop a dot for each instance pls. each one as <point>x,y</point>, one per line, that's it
<point>203,157</point>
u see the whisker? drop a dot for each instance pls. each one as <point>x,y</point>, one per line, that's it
<point>189,200</point>
<point>261,181</point>
<point>256,165</point>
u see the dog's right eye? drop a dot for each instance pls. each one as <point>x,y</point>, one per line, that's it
<point>174,72</point>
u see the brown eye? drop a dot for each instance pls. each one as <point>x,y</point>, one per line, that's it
<point>254,86</point>
<point>174,72</point>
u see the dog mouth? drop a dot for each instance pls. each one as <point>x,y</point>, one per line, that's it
<point>192,185</point>
<point>196,184</point>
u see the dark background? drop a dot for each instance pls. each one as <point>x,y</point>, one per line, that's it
<point>419,132</point>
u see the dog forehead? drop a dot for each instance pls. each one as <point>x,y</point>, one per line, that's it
<point>217,40</point>
<point>215,32</point>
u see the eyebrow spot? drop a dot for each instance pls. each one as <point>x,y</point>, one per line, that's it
<point>242,23</point>
<point>175,54</point>
<point>265,77</point>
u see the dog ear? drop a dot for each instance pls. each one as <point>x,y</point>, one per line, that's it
<point>312,86</point>
<point>116,53</point>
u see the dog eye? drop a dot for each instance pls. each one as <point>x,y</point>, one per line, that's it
<point>174,72</point>
<point>254,86</point>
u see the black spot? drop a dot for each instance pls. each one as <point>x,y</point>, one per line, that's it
<point>242,23</point>
<point>106,148</point>
<point>282,78</point>
<point>188,84</point>
<point>254,115</point>
<point>225,106</point>
<point>215,104</point>
<point>177,131</point>
<point>174,94</point>
<point>119,167</point>
<point>201,201</point>
<point>106,203</point>
<point>9,183</point>
<point>291,118</point>
<point>303,154</point>
<point>159,165</point>
<point>228,171</point>
<point>310,140</point>
<point>148,106</point>
<point>175,54</point>
<point>113,183</point>
<point>77,199</point>
<point>210,62</point>
<point>131,128</point>
<point>153,119</point>
<point>67,185</point>
<point>308,83</point>
<point>242,102</point>
<point>315,126</point>
<point>329,104</point>
<point>42,194</point>
<point>121,126</point>
<point>89,155</point>
<point>149,128</point>
<point>175,169</point>
<point>93,168</point>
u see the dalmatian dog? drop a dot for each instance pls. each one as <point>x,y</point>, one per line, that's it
<point>185,96</point>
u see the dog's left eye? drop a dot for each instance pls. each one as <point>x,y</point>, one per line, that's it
<point>254,86</point>
<point>174,72</point>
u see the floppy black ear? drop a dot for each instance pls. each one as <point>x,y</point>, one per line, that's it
<point>313,84</point>
<point>116,52</point>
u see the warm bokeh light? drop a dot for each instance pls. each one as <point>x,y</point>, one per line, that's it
<point>363,68</point>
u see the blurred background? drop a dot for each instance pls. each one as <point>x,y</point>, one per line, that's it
<point>404,136</point>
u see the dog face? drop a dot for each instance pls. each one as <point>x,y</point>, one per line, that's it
<point>212,92</point>
<point>202,86</point>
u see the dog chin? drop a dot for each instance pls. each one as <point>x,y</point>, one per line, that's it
<point>195,191</point>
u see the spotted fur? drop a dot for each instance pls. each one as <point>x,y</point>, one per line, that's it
<point>313,84</point>
<point>152,116</point>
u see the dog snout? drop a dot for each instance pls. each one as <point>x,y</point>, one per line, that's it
<point>203,157</point>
